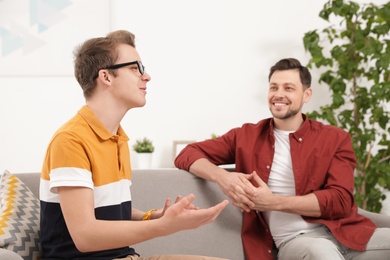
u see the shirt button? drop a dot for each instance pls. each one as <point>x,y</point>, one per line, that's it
<point>300,139</point>
<point>268,167</point>
<point>269,251</point>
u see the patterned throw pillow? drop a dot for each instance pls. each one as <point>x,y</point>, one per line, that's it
<point>19,217</point>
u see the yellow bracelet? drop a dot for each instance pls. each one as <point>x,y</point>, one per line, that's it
<point>148,214</point>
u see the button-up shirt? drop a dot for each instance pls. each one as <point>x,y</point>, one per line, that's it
<point>323,163</point>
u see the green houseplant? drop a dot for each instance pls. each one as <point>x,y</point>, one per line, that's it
<point>214,135</point>
<point>353,57</point>
<point>144,145</point>
<point>144,149</point>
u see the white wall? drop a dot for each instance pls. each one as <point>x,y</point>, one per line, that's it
<point>209,61</point>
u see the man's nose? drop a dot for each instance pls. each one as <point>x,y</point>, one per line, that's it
<point>279,93</point>
<point>146,77</point>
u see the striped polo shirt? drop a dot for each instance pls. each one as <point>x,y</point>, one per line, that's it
<point>84,153</point>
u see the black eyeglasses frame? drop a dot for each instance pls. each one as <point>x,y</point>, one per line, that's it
<point>141,67</point>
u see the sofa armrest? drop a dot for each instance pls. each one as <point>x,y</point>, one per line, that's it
<point>380,220</point>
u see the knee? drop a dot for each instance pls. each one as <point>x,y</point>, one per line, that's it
<point>309,248</point>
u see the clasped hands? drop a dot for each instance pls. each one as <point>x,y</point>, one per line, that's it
<point>249,192</point>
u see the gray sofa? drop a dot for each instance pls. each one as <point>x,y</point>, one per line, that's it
<point>221,238</point>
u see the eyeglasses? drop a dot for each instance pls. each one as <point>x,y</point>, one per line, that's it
<point>141,68</point>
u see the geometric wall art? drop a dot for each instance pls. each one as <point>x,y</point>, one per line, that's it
<point>37,37</point>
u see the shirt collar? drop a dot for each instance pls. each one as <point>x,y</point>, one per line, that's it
<point>301,132</point>
<point>98,127</point>
<point>304,127</point>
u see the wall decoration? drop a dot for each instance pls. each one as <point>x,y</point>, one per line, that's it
<point>178,146</point>
<point>37,37</point>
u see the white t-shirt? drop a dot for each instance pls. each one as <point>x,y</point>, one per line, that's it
<point>281,182</point>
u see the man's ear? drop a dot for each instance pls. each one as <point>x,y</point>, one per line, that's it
<point>104,77</point>
<point>307,95</point>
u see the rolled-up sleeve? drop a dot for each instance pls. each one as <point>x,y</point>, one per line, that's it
<point>336,198</point>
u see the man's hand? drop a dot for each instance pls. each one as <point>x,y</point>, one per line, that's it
<point>256,194</point>
<point>227,181</point>
<point>231,181</point>
<point>183,215</point>
<point>160,212</point>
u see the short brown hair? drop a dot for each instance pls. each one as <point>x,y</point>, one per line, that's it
<point>291,64</point>
<point>96,54</point>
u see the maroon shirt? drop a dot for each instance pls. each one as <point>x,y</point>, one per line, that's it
<point>323,163</point>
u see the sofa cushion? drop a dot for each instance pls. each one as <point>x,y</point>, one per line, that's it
<point>9,255</point>
<point>19,217</point>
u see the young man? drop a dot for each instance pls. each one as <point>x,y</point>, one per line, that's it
<point>86,210</point>
<point>294,179</point>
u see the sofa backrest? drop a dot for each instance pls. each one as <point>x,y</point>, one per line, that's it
<point>31,180</point>
<point>150,188</point>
